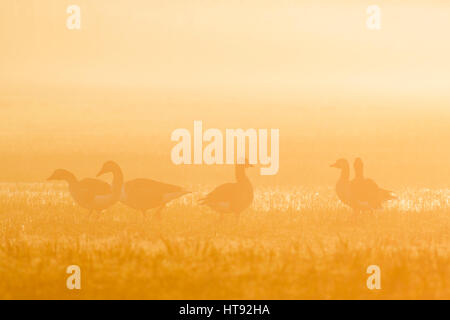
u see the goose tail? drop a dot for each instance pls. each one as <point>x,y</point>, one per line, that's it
<point>388,194</point>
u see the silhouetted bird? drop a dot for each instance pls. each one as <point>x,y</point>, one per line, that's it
<point>343,188</point>
<point>145,194</point>
<point>232,197</point>
<point>366,191</point>
<point>93,194</point>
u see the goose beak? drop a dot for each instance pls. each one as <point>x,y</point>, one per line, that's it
<point>334,165</point>
<point>52,177</point>
<point>101,172</point>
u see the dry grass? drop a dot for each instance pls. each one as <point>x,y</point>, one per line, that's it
<point>292,244</point>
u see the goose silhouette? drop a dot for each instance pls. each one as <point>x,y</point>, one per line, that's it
<point>145,194</point>
<point>366,191</point>
<point>231,197</point>
<point>93,194</point>
<point>343,186</point>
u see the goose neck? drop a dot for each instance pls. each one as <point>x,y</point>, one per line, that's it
<point>240,174</point>
<point>359,171</point>
<point>70,178</point>
<point>345,173</point>
<point>117,182</point>
<point>359,174</point>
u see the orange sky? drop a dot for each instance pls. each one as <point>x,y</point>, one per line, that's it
<point>310,68</point>
<point>290,47</point>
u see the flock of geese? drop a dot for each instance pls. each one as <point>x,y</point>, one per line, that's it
<point>360,194</point>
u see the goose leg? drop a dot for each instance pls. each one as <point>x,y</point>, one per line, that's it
<point>354,216</point>
<point>143,215</point>
<point>237,217</point>
<point>94,213</point>
<point>220,223</point>
<point>222,220</point>
<point>91,214</point>
<point>158,212</point>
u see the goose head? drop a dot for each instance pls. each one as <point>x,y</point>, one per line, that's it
<point>109,167</point>
<point>59,174</point>
<point>340,164</point>
<point>239,170</point>
<point>62,175</point>
<point>244,163</point>
<point>117,183</point>
<point>358,166</point>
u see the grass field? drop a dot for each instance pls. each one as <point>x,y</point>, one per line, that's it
<point>135,72</point>
<point>293,243</point>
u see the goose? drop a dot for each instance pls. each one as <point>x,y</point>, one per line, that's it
<point>145,194</point>
<point>343,186</point>
<point>93,194</point>
<point>232,197</point>
<point>366,191</point>
<point>117,184</point>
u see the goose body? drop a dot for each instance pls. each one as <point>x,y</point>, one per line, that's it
<point>366,191</point>
<point>360,194</point>
<point>343,186</point>
<point>92,194</point>
<point>231,197</point>
<point>145,194</point>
